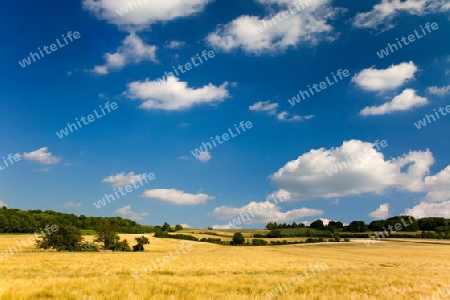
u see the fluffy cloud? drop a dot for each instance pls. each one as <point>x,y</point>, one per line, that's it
<point>126,212</point>
<point>382,212</point>
<point>173,94</point>
<point>72,205</point>
<point>388,79</point>
<point>405,101</point>
<point>2,204</point>
<point>132,50</point>
<point>257,36</point>
<point>382,14</point>
<point>265,106</point>
<point>145,14</point>
<point>228,226</point>
<point>439,91</point>
<point>311,179</point>
<point>284,116</point>
<point>42,156</point>
<point>427,209</point>
<point>204,156</point>
<point>177,197</point>
<point>122,179</point>
<point>271,109</point>
<point>438,186</point>
<point>263,212</point>
<point>175,44</point>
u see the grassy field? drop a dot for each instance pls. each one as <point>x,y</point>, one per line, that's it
<point>399,269</point>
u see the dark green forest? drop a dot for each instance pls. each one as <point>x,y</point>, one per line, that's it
<point>21,221</point>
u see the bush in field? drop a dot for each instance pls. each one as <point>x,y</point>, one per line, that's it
<point>258,235</point>
<point>121,246</point>
<point>66,238</point>
<point>178,227</point>
<point>141,241</point>
<point>238,239</point>
<point>89,247</point>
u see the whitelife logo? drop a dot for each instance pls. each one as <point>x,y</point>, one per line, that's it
<point>27,61</point>
<point>90,118</point>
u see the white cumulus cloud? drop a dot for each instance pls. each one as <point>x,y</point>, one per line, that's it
<point>173,94</point>
<point>145,14</point>
<point>127,213</point>
<point>42,156</point>
<point>204,156</point>
<point>132,50</point>
<point>267,212</point>
<point>122,179</point>
<point>405,101</point>
<point>382,212</point>
<point>386,79</point>
<point>304,26</point>
<point>372,173</point>
<point>177,197</point>
<point>439,91</point>
<point>382,15</point>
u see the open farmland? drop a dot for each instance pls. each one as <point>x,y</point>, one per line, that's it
<point>386,270</point>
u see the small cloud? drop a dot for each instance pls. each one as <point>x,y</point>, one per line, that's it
<point>271,109</point>
<point>177,197</point>
<point>183,124</point>
<point>127,213</point>
<point>42,156</point>
<point>228,226</point>
<point>335,201</point>
<point>122,179</point>
<point>407,100</point>
<point>386,79</point>
<point>175,44</point>
<point>439,91</point>
<point>284,116</point>
<point>185,225</point>
<point>204,157</point>
<point>184,158</point>
<point>103,96</point>
<point>382,212</point>
<point>264,106</point>
<point>72,205</point>
<point>2,204</point>
<point>171,94</point>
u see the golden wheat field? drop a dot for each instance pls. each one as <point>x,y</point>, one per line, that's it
<point>385,270</point>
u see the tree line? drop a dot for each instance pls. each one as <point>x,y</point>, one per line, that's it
<point>430,227</point>
<point>21,221</point>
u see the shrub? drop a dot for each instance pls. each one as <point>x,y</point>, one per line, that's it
<point>238,239</point>
<point>89,247</point>
<point>66,238</point>
<point>258,235</point>
<point>258,242</point>
<point>121,246</point>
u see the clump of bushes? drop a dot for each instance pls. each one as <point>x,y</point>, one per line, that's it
<point>258,242</point>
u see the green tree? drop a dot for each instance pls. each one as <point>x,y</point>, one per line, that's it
<point>166,227</point>
<point>238,239</point>
<point>357,226</point>
<point>107,235</point>
<point>178,227</point>
<point>317,224</point>
<point>66,238</point>
<point>141,241</point>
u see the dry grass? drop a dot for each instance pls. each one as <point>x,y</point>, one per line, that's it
<point>386,270</point>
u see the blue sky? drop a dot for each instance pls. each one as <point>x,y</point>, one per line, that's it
<point>250,75</point>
